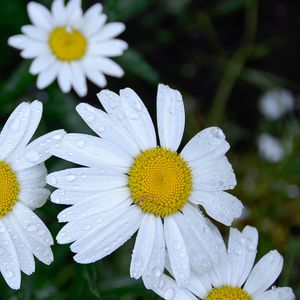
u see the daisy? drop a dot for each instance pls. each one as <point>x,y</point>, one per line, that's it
<point>69,45</point>
<point>274,104</point>
<point>234,278</point>
<point>130,184</point>
<point>22,182</point>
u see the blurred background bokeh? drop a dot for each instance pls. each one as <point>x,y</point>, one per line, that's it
<point>228,58</point>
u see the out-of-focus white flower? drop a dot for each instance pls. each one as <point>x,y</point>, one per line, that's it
<point>275,103</point>
<point>130,183</point>
<point>22,190</point>
<point>70,45</point>
<point>236,277</point>
<point>270,148</point>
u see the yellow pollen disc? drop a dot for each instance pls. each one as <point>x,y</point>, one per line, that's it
<point>160,181</point>
<point>228,293</point>
<point>67,45</point>
<point>9,188</point>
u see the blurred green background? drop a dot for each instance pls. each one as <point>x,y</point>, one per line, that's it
<point>221,55</point>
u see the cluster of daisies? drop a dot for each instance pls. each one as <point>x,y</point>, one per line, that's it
<point>131,180</point>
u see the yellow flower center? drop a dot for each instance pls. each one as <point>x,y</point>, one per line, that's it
<point>160,181</point>
<point>67,45</point>
<point>228,293</point>
<point>9,188</point>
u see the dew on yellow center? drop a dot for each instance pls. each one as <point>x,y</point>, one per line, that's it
<point>160,181</point>
<point>9,188</point>
<point>228,293</point>
<point>67,45</point>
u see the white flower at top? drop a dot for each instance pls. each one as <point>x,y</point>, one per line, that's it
<point>276,103</point>
<point>22,189</point>
<point>69,45</point>
<point>130,184</point>
<point>234,278</point>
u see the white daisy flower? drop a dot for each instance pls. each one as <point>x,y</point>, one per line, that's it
<point>270,148</point>
<point>69,45</point>
<point>22,182</point>
<point>234,278</point>
<point>130,183</point>
<point>274,104</point>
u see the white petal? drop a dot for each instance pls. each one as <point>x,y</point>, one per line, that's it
<point>58,12</point>
<point>170,117</point>
<point>33,225</point>
<point>112,237</point>
<point>39,15</point>
<point>25,256</point>
<point>35,32</point>
<point>92,152</point>
<point>62,196</point>
<point>9,262</point>
<point>221,206</point>
<point>154,271</point>
<point>177,252</point>
<point>108,48</point>
<point>42,253</point>
<point>78,79</point>
<point>109,31</point>
<point>48,75</point>
<point>199,284</point>
<point>34,49</point>
<point>87,179</point>
<point>65,77</point>
<point>84,230</point>
<point>143,247</point>
<point>41,63</point>
<point>34,197</point>
<point>130,110</point>
<point>73,12</point>
<point>108,128</point>
<point>264,273</point>
<point>239,264</point>
<point>168,289</point>
<point>199,227</point>
<point>94,75</point>
<point>18,41</point>
<point>214,175</point>
<point>98,203</point>
<point>14,129</point>
<point>36,110</point>
<point>108,66</point>
<point>283,293</point>
<point>205,145</point>
<point>92,23</point>
<point>199,258</point>
<point>250,236</point>
<point>34,177</point>
<point>38,151</point>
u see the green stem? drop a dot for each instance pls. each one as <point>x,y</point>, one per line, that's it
<point>236,64</point>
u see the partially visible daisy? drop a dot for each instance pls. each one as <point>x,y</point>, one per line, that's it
<point>270,148</point>
<point>22,189</point>
<point>130,183</point>
<point>234,278</point>
<point>276,103</point>
<point>69,45</point>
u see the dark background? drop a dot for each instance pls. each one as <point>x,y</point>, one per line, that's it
<point>221,55</point>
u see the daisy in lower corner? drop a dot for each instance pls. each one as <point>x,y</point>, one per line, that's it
<point>70,45</point>
<point>234,278</point>
<point>22,189</point>
<point>130,183</point>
